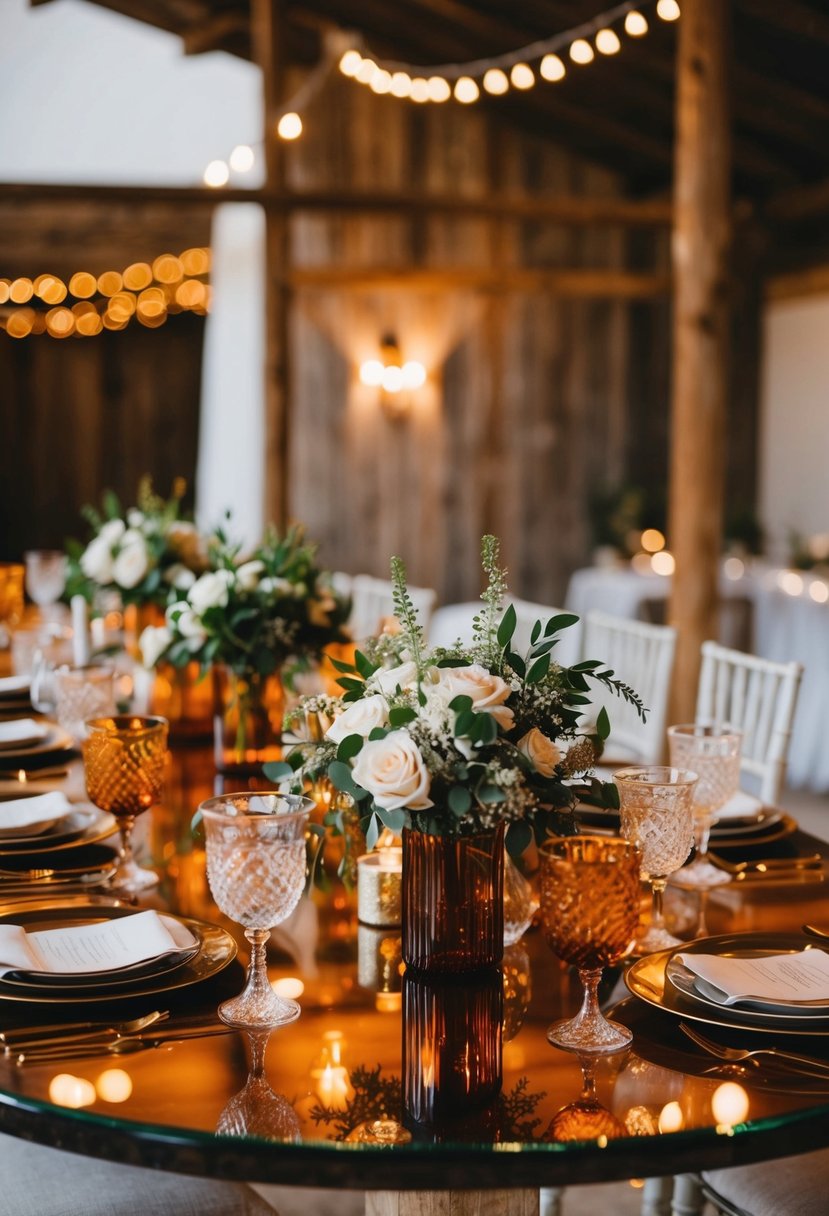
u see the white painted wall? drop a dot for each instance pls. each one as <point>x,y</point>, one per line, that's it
<point>87,95</point>
<point>794,444</point>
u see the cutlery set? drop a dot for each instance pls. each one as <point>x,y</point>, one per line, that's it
<point>82,1040</point>
<point>790,1061</point>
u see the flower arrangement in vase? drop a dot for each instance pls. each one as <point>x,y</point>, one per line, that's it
<point>255,622</point>
<point>453,748</point>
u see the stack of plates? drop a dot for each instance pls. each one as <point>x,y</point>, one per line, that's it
<point>24,742</point>
<point>14,693</point>
<point>63,847</point>
<point>662,981</point>
<point>212,950</point>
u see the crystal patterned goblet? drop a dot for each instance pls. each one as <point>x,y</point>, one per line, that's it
<point>713,752</point>
<point>45,577</point>
<point>256,1110</point>
<point>656,812</point>
<point>124,758</point>
<point>589,908</point>
<point>256,871</point>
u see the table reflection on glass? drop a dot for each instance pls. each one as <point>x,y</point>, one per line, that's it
<point>392,1083</point>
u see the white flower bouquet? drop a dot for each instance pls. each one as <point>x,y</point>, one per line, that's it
<point>453,741</point>
<point>146,553</point>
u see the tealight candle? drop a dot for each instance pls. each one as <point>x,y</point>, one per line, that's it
<point>378,887</point>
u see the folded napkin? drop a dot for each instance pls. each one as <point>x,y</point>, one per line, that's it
<point>741,806</point>
<point>20,731</point>
<point>11,686</point>
<point>777,979</point>
<point>84,949</point>
<point>33,814</point>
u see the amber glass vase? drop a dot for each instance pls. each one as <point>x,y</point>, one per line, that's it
<point>248,709</point>
<point>453,901</point>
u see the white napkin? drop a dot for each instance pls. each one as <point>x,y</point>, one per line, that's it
<point>82,949</point>
<point>11,686</point>
<point>741,806</point>
<point>777,979</point>
<point>33,813</point>
<point>21,730</point>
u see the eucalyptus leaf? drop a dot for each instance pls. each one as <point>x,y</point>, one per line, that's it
<point>602,724</point>
<point>349,747</point>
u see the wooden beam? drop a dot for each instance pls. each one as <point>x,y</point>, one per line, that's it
<point>268,28</point>
<point>811,282</point>
<point>211,33</point>
<point>800,203</point>
<point>581,283</point>
<point>570,210</point>
<point>701,247</point>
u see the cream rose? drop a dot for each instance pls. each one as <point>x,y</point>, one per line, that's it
<point>210,591</point>
<point>404,676</point>
<point>247,575</point>
<point>540,751</point>
<point>132,562</point>
<point>153,642</point>
<point>112,531</point>
<point>488,692</point>
<point>393,772</point>
<point>179,576</point>
<point>360,718</point>
<point>96,560</point>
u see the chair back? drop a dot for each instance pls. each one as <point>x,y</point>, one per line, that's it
<point>759,697</point>
<point>565,653</point>
<point>641,655</point>
<point>372,603</point>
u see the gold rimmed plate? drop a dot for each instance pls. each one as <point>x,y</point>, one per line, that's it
<point>648,979</point>
<point>57,740</point>
<point>85,825</point>
<point>216,950</point>
<point>82,863</point>
<point>762,834</point>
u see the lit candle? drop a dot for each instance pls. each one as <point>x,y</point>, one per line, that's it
<point>379,877</point>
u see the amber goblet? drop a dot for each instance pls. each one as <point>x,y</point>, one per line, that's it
<point>589,908</point>
<point>124,759</point>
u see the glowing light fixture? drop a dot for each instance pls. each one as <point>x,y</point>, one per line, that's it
<point>607,42</point>
<point>495,82</point>
<point>522,76</point>
<point>668,10</point>
<point>439,89</point>
<point>635,24</point>
<point>216,174</point>
<point>581,51</point>
<point>552,68</point>
<point>289,126</point>
<point>466,90</point>
<point>242,159</point>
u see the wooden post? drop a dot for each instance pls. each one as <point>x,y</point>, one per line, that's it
<point>268,40</point>
<point>701,241</point>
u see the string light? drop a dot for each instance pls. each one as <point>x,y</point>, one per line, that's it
<point>216,174</point>
<point>513,69</point>
<point>380,81</point>
<point>289,126</point>
<point>242,158</point>
<point>147,292</point>
<point>420,89</point>
<point>401,84</point>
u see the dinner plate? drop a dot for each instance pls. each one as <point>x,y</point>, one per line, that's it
<point>759,836</point>
<point>647,979</point>
<point>14,686</point>
<point>766,820</point>
<point>690,985</point>
<point>121,978</point>
<point>57,740</point>
<point>11,739</point>
<point>86,824</point>
<point>83,861</point>
<point>216,950</point>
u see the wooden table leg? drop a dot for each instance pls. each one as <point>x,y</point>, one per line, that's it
<point>452,1203</point>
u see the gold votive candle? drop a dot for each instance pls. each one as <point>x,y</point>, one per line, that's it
<point>379,878</point>
<point>379,959</point>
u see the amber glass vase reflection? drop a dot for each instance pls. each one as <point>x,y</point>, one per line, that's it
<point>590,907</point>
<point>124,759</point>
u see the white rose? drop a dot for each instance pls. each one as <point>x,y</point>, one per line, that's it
<point>393,772</point>
<point>153,642</point>
<point>179,576</point>
<point>360,718</point>
<point>210,591</point>
<point>404,675</point>
<point>540,751</point>
<point>112,531</point>
<point>247,575</point>
<point>135,518</point>
<point>190,626</point>
<point>176,609</point>
<point>96,560</point>
<point>132,562</point>
<point>488,692</point>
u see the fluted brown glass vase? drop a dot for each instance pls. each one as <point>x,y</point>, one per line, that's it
<point>247,720</point>
<point>453,901</point>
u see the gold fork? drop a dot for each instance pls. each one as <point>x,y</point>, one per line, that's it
<point>739,1055</point>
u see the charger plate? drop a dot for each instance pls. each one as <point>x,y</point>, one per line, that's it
<point>57,740</point>
<point>217,950</point>
<point>648,980</point>
<point>84,824</point>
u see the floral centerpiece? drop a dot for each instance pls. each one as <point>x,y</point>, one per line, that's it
<point>146,554</point>
<point>254,621</point>
<point>457,744</point>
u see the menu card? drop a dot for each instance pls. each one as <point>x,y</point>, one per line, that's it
<point>104,946</point>
<point>778,979</point>
<point>33,813</point>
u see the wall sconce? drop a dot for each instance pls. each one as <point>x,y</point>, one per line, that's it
<point>395,379</point>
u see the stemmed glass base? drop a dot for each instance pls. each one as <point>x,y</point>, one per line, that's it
<point>257,1006</point>
<point>130,876</point>
<point>589,1031</point>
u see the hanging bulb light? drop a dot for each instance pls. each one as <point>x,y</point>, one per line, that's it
<point>365,71</point>
<point>668,10</point>
<point>607,42</point>
<point>380,81</point>
<point>350,63</point>
<point>552,68</point>
<point>581,51</point>
<point>522,76</point>
<point>635,24</point>
<point>401,84</point>
<point>439,89</point>
<point>466,90</point>
<point>420,90</point>
<point>495,82</point>
<point>289,126</point>
<point>216,174</point>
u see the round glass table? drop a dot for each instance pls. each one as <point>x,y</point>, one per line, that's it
<point>390,1082</point>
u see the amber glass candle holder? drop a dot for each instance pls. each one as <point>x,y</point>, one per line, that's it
<point>124,758</point>
<point>590,908</point>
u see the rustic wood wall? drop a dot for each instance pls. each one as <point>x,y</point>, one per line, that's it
<point>83,414</point>
<point>526,407</point>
